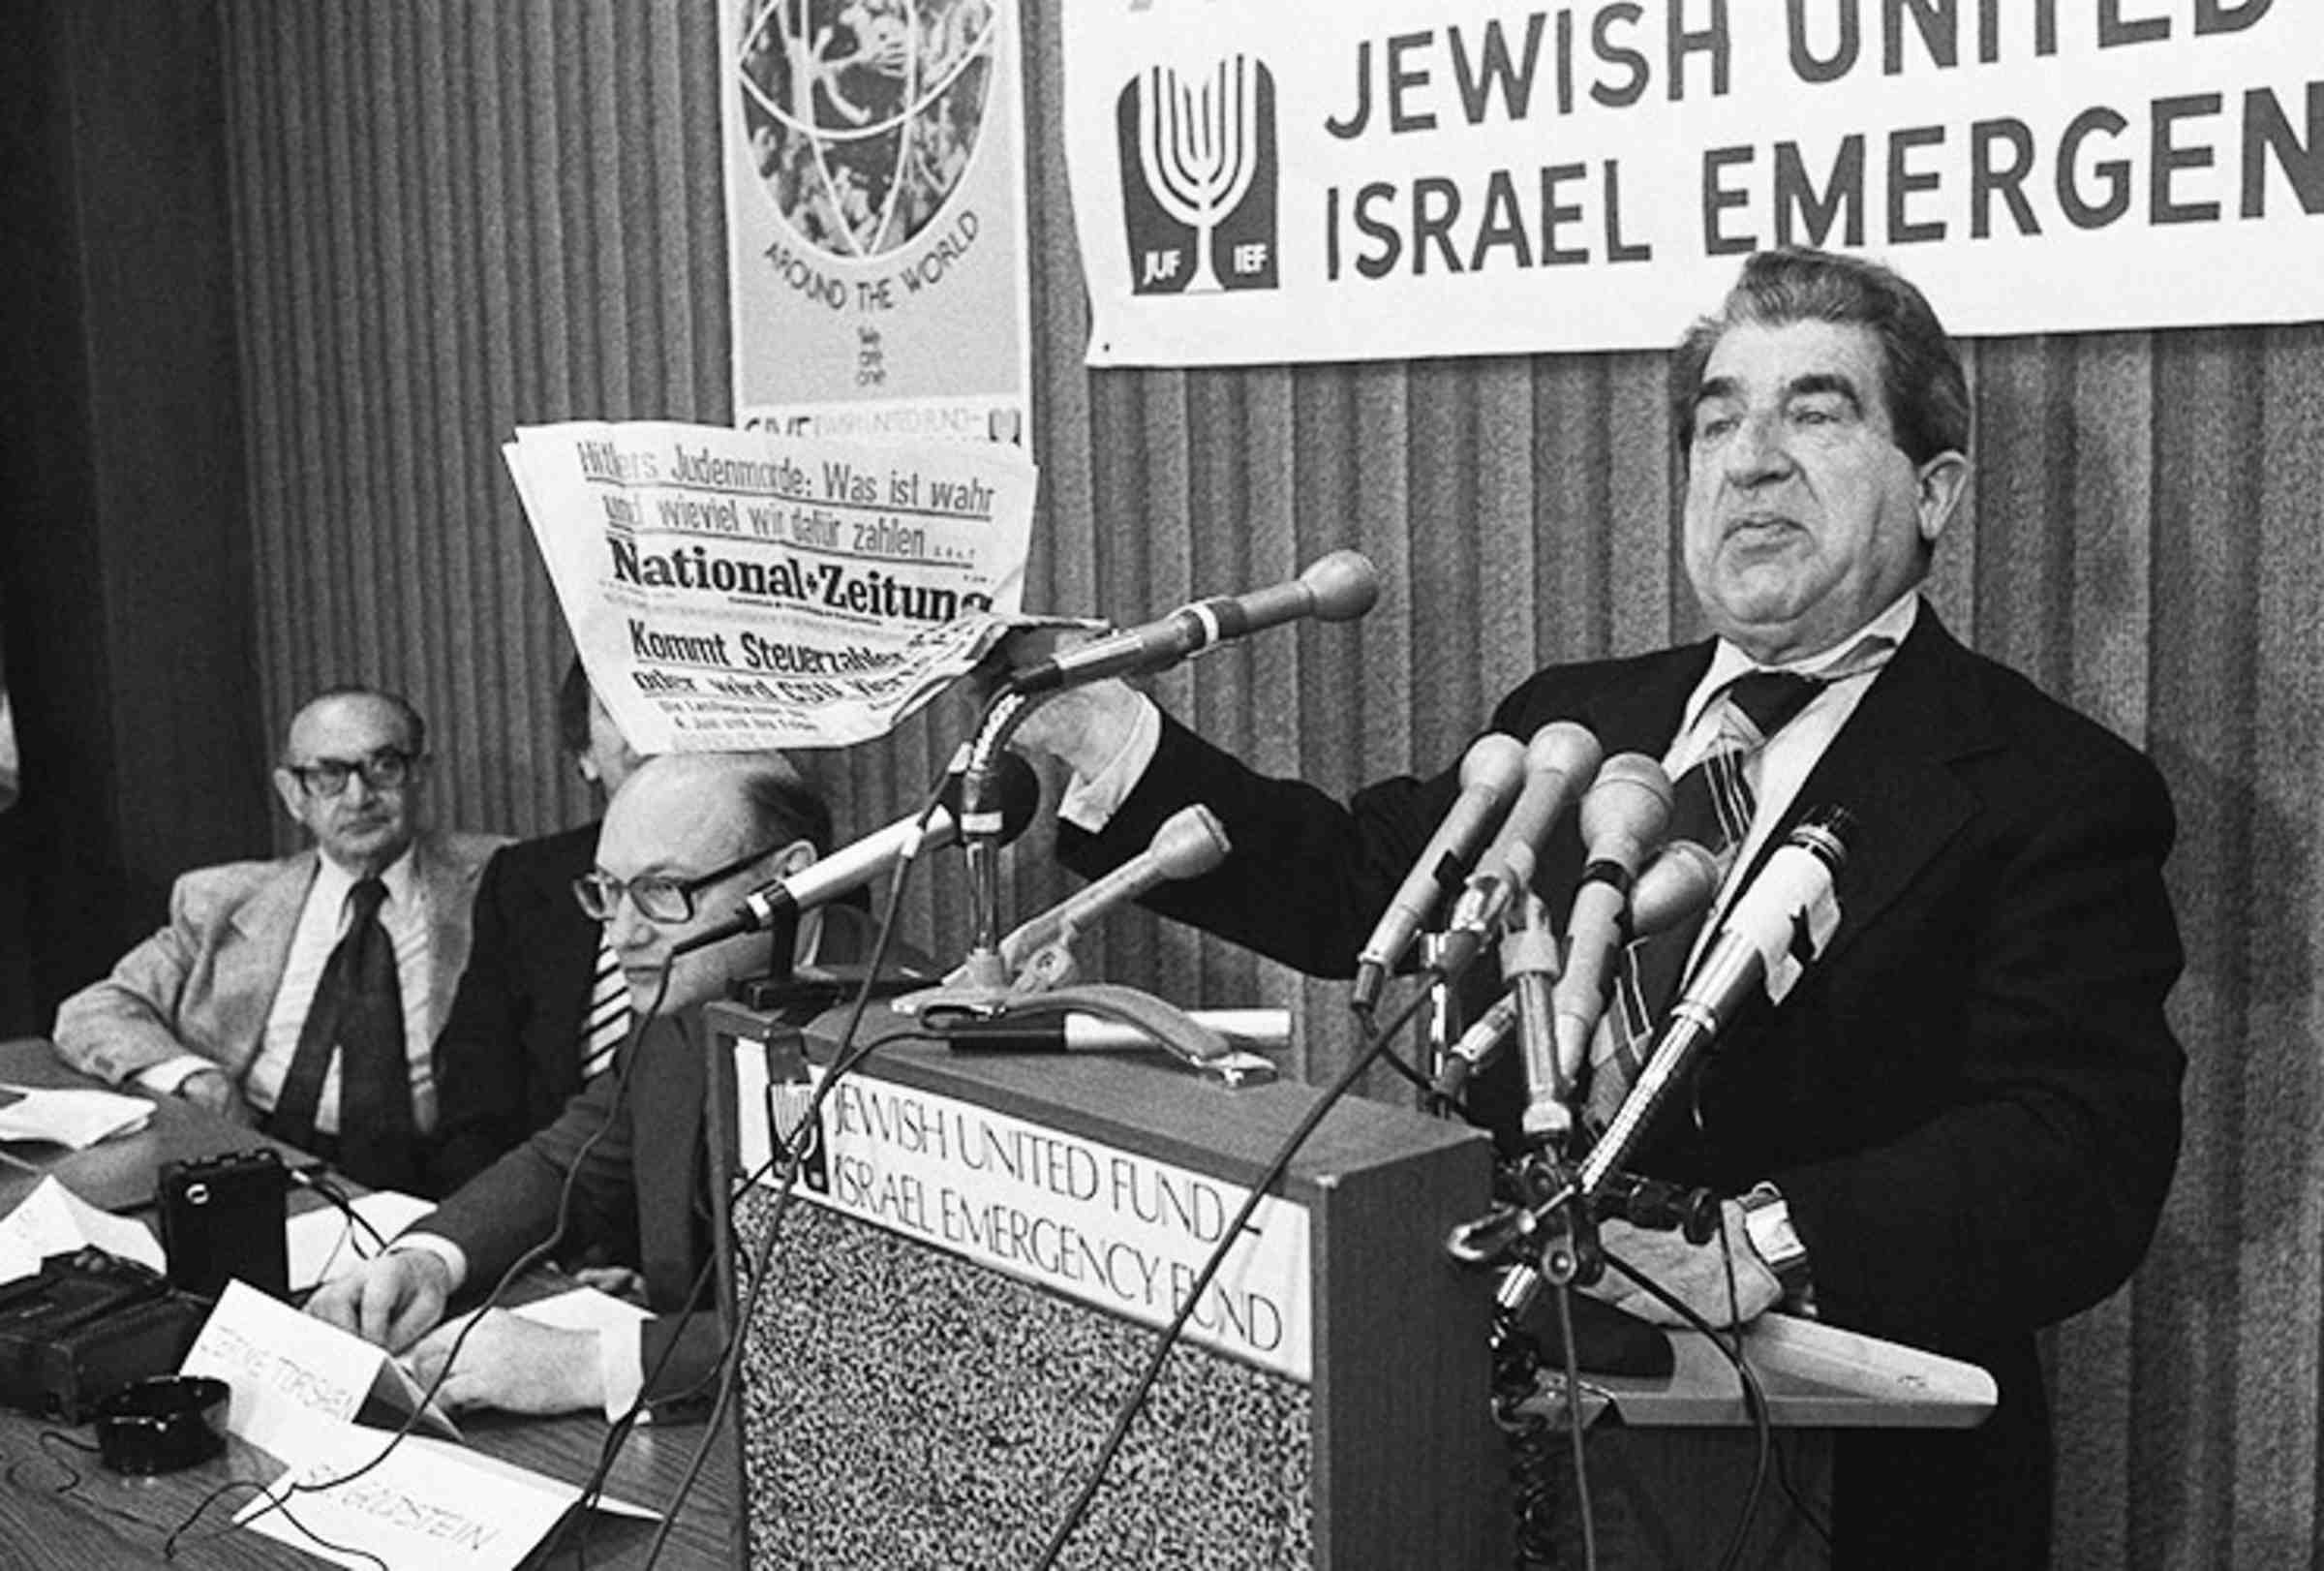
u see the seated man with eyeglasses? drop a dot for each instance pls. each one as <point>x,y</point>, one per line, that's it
<point>303,995</point>
<point>686,838</point>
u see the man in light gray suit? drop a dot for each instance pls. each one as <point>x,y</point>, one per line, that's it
<point>245,1002</point>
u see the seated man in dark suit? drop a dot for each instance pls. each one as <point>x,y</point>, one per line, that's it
<point>266,997</point>
<point>542,1006</point>
<point>1959,1126</point>
<point>686,838</point>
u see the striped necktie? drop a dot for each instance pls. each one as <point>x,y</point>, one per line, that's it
<point>1712,804</point>
<point>606,1023</point>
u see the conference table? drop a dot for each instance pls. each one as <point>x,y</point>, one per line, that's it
<point>60,1508</point>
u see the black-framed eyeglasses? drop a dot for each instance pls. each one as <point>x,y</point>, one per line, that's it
<point>658,896</point>
<point>383,771</point>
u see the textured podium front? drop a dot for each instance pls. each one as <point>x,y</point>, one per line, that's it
<point>953,1315</point>
<point>908,1409</point>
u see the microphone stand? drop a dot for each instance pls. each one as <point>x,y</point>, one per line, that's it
<point>988,974</point>
<point>1045,987</point>
<point>1441,1024</point>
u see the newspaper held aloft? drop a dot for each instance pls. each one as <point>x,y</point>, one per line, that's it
<point>738,589</point>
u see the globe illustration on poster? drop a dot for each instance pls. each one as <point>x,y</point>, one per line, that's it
<point>863,114</point>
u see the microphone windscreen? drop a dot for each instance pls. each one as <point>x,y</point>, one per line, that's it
<point>1016,785</point>
<point>1345,585</point>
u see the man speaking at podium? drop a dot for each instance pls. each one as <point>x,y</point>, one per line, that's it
<point>1968,1111</point>
<point>686,838</point>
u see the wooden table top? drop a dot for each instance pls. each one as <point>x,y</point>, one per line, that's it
<point>60,1508</point>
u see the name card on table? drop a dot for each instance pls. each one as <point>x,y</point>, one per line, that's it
<point>1113,1228</point>
<point>282,1364</point>
<point>424,1504</point>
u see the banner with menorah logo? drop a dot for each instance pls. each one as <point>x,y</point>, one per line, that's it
<point>1391,179</point>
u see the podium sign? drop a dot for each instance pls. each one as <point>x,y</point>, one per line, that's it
<point>972,1273</point>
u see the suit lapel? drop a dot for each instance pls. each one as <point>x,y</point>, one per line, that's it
<point>1639,714</point>
<point>665,1146</point>
<point>247,972</point>
<point>449,893</point>
<point>1643,715</point>
<point>1891,766</point>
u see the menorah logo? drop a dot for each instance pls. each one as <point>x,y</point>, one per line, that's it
<point>791,1104</point>
<point>1198,177</point>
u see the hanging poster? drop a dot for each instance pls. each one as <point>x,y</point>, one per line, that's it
<point>874,174</point>
<point>1389,180</point>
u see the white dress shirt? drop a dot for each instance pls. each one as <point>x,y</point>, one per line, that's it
<point>321,920</point>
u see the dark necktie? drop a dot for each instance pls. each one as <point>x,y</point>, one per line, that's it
<point>1712,803</point>
<point>358,1014</point>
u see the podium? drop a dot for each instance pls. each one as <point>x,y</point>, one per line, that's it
<point>1670,1457</point>
<point>973,1272</point>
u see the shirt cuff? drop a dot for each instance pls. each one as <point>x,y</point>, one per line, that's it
<point>622,1370</point>
<point>164,1078</point>
<point>1091,804</point>
<point>454,1257</point>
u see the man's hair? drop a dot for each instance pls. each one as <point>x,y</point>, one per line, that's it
<point>1922,382</point>
<point>572,710</point>
<point>784,806</point>
<point>415,729</point>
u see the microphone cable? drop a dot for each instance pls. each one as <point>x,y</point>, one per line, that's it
<point>491,1301</point>
<point>847,1057</point>
<point>1131,1404</point>
<point>1754,1396</point>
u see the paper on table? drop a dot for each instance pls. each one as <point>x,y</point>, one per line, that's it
<point>584,1308</point>
<point>73,1117</point>
<point>324,1245</point>
<point>55,1221</point>
<point>281,1364</point>
<point>426,1502</point>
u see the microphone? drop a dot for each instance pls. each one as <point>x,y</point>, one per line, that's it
<point>854,866</point>
<point>1624,815</point>
<point>1336,588</point>
<point>1559,762</point>
<point>1775,928</point>
<point>1676,885</point>
<point>1190,843</point>
<point>1489,775</point>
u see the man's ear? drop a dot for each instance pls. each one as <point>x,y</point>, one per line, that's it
<point>795,858</point>
<point>294,795</point>
<point>1938,490</point>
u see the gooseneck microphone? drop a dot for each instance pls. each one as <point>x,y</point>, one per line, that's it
<point>1490,773</point>
<point>1768,930</point>
<point>855,865</point>
<point>1336,588</point>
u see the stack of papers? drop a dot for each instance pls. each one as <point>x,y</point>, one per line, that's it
<point>75,1118</point>
<point>55,1221</point>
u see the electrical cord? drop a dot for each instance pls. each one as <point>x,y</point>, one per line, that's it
<point>1755,1397</point>
<point>1279,1165</point>
<point>1574,1434</point>
<point>312,1178</point>
<point>847,1057</point>
<point>499,1289</point>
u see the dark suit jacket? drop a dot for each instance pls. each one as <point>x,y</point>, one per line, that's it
<point>509,1057</point>
<point>1971,1101</point>
<point>638,1194</point>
